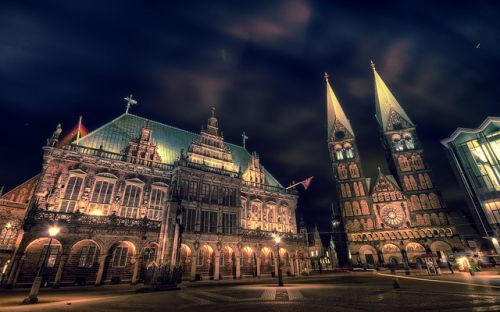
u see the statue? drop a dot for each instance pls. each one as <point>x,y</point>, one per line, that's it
<point>55,136</point>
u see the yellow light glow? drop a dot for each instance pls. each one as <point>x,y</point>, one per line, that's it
<point>96,212</point>
<point>54,230</point>
<point>277,239</point>
<point>8,225</point>
<point>463,263</point>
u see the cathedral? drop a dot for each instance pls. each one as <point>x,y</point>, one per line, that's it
<point>397,218</point>
<point>136,193</point>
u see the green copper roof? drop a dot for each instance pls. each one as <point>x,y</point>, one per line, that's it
<point>385,102</point>
<point>115,136</point>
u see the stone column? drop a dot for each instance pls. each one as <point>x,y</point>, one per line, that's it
<point>135,274</point>
<point>60,269</point>
<point>14,267</point>
<point>238,267</point>
<point>276,266</point>
<point>19,268</point>
<point>292,266</point>
<point>258,266</point>
<point>100,271</point>
<point>297,265</point>
<point>216,267</point>
<point>193,268</point>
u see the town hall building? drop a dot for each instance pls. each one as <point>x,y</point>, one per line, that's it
<point>137,193</point>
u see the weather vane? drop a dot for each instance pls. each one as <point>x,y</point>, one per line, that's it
<point>130,102</point>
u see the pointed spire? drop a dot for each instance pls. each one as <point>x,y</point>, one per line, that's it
<point>335,111</point>
<point>386,102</point>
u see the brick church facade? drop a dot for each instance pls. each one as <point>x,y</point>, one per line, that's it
<point>396,218</point>
<point>136,193</point>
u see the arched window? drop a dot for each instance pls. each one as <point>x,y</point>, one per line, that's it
<point>397,142</point>
<point>338,152</point>
<point>361,189</point>
<point>156,204</point>
<point>409,143</point>
<point>349,226</point>
<point>348,190</point>
<point>434,201</point>
<point>387,197</point>
<point>422,181</point>
<point>348,209</point>
<point>393,195</point>
<point>342,171</point>
<point>415,202</point>
<point>442,218</point>
<point>424,201</point>
<point>353,168</point>
<point>407,183</point>
<point>419,220</point>
<point>364,208</point>
<point>417,162</point>
<point>428,180</point>
<point>435,219</point>
<point>369,224</point>
<point>357,225</point>
<point>427,219</point>
<point>356,189</point>
<point>348,151</point>
<point>342,190</point>
<point>356,209</point>
<point>404,165</point>
<point>413,183</point>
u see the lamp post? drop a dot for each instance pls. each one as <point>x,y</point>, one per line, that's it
<point>35,288</point>
<point>277,239</point>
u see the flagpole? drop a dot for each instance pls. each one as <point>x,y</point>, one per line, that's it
<point>293,185</point>
<point>78,131</point>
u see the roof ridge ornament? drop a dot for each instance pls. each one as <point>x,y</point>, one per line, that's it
<point>130,101</point>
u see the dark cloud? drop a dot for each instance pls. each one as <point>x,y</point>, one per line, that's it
<point>260,63</point>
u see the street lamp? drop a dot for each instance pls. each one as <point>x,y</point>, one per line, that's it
<point>35,288</point>
<point>277,240</point>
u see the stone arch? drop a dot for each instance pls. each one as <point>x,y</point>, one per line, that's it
<point>285,260</point>
<point>227,262</point>
<point>368,255</point>
<point>82,263</point>
<point>442,250</point>
<point>248,261</point>
<point>119,262</point>
<point>427,219</point>
<point>185,260</point>
<point>35,253</point>
<point>266,261</point>
<point>205,260</point>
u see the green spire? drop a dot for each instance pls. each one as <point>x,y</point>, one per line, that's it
<point>335,112</point>
<point>386,104</point>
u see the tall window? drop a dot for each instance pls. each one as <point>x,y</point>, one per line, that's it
<point>193,190</point>
<point>214,197</point>
<point>228,223</point>
<point>156,204</point>
<point>184,189</point>
<point>483,167</point>
<point>87,257</point>
<point>209,221</point>
<point>348,152</point>
<point>189,219</point>
<point>101,198</point>
<point>409,143</point>
<point>131,201</point>
<point>205,193</point>
<point>71,194</point>
<point>120,257</point>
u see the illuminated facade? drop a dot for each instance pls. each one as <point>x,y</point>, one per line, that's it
<point>393,218</point>
<point>474,154</point>
<point>136,193</point>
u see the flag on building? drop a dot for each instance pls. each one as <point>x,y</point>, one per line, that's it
<point>306,182</point>
<point>75,134</point>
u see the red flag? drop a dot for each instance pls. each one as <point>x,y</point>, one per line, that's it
<point>306,182</point>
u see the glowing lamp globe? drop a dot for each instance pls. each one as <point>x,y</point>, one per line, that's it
<point>54,230</point>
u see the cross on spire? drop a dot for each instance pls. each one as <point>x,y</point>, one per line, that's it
<point>130,101</point>
<point>326,76</point>
<point>245,138</point>
<point>372,64</point>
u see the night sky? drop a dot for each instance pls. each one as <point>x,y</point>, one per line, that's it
<point>260,64</point>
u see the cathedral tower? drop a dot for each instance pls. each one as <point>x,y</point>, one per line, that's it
<point>352,188</point>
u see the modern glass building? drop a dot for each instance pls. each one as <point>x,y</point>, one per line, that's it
<point>475,156</point>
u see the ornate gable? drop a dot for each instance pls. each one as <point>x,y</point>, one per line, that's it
<point>142,149</point>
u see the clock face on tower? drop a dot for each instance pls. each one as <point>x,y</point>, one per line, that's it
<point>392,215</point>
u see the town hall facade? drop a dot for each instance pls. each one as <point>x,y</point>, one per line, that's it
<point>137,193</point>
